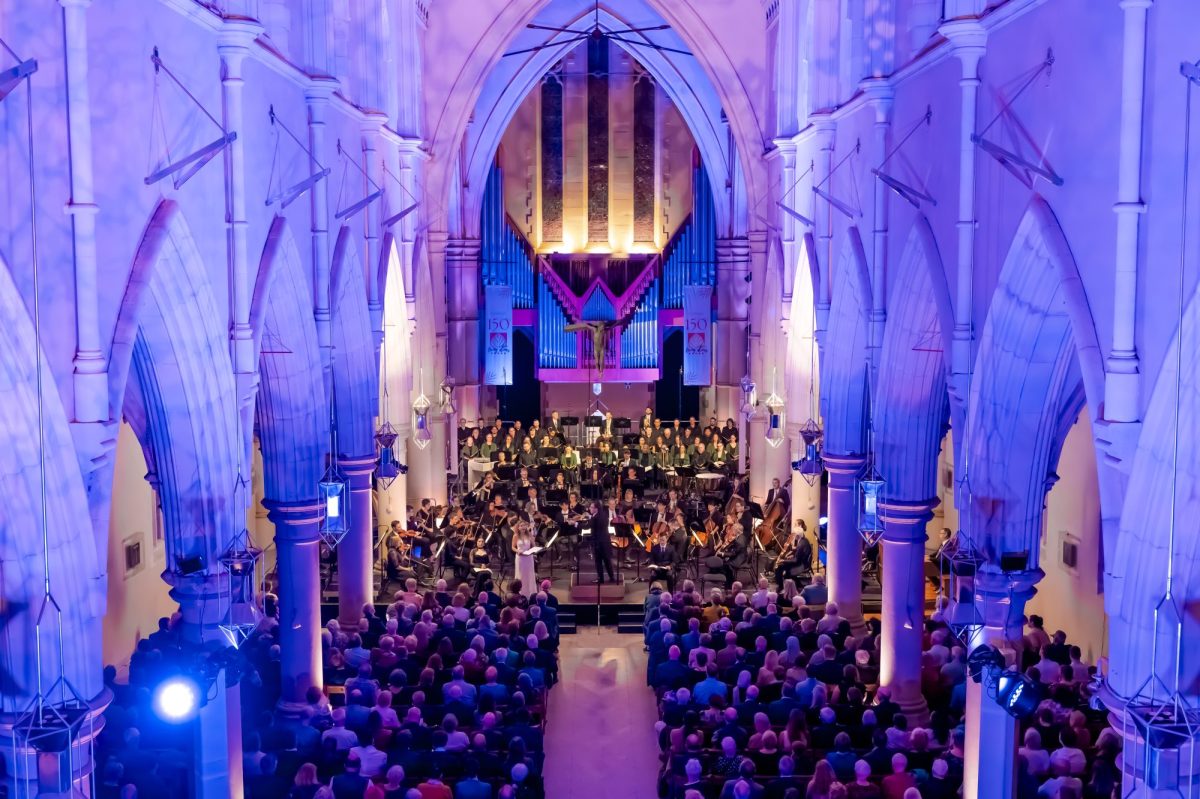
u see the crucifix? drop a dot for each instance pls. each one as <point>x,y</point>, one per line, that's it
<point>599,332</point>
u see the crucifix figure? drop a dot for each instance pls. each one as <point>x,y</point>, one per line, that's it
<point>599,332</point>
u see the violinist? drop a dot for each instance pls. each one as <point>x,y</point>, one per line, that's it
<point>532,506</point>
<point>662,556</point>
<point>730,554</point>
<point>457,540</point>
<point>796,556</point>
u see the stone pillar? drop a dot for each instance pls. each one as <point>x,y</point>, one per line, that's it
<point>234,41</point>
<point>296,544</point>
<point>91,368</point>
<point>217,738</point>
<point>990,750</point>
<point>317,97</point>
<point>732,363</point>
<point>356,553</point>
<point>843,571</point>
<point>903,555</point>
<point>464,301</point>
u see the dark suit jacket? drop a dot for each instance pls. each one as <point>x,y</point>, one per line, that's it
<point>600,524</point>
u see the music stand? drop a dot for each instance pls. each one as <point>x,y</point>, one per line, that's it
<point>593,422</point>
<point>506,472</point>
<point>569,421</point>
<point>635,486</point>
<point>591,490</point>
<point>622,423</point>
<point>556,496</point>
<point>548,454</point>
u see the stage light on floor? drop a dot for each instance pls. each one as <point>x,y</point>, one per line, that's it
<point>176,699</point>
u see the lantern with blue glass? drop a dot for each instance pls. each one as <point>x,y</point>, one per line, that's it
<point>870,489</point>
<point>387,468</point>
<point>775,408</point>
<point>811,464</point>
<point>335,505</point>
<point>422,435</point>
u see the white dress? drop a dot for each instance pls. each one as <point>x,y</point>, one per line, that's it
<point>526,566</point>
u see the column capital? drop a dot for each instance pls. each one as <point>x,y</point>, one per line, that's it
<point>236,36</point>
<point>320,89</point>
<point>904,522</point>
<point>843,469</point>
<point>824,125</point>
<point>359,469</point>
<point>1125,5</point>
<point>968,38</point>
<point>84,4</point>
<point>295,522</point>
<point>880,93</point>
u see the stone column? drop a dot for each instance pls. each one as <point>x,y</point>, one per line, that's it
<point>843,550</point>
<point>355,555</point>
<point>218,728</point>
<point>990,750</point>
<point>903,555</point>
<point>317,98</point>
<point>296,545</point>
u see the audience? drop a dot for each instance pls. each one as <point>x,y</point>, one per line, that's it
<point>442,698</point>
<point>773,702</point>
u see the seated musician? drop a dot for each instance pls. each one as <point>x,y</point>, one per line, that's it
<point>470,447</point>
<point>588,464</point>
<point>560,483</point>
<point>729,554</point>
<point>527,457</point>
<point>532,505</point>
<point>423,518</point>
<point>483,491</point>
<point>633,475</point>
<point>796,556</point>
<point>523,483</point>
<point>608,457</point>
<point>700,458</point>
<point>662,557</point>
<point>626,460</point>
<point>480,563</point>
<point>397,564</point>
<point>607,430</point>
<point>570,460</point>
<point>627,505</point>
<point>457,539</point>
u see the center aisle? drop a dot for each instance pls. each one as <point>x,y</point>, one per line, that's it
<point>600,739</point>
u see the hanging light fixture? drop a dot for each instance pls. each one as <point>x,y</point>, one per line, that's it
<point>775,410</point>
<point>334,488</point>
<point>811,463</point>
<point>871,485</point>
<point>387,467</point>
<point>422,435</point>
<point>238,563</point>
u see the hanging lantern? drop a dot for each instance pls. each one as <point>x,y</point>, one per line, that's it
<point>238,562</point>
<point>811,463</point>
<point>959,563</point>
<point>775,408</point>
<point>870,489</point>
<point>387,469</point>
<point>335,506</point>
<point>422,435</point>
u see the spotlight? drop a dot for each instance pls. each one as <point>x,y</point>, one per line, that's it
<point>1017,694</point>
<point>983,660</point>
<point>176,699</point>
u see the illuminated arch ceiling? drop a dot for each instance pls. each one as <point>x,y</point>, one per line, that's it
<point>681,77</point>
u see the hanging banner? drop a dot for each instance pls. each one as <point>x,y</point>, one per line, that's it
<point>497,336</point>
<point>697,335</point>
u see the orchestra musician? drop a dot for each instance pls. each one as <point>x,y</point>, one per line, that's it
<point>606,427</point>
<point>554,427</point>
<point>527,458</point>
<point>570,460</point>
<point>778,491</point>
<point>796,556</point>
<point>647,421</point>
<point>729,554</point>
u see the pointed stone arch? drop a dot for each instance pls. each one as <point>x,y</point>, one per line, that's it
<point>1038,363</point>
<point>910,397</point>
<point>172,378</point>
<point>76,572</point>
<point>355,374</point>
<point>844,376</point>
<point>292,413</point>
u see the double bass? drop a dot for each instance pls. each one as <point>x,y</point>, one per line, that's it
<point>773,515</point>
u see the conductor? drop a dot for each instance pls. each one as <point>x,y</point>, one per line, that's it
<point>602,549</point>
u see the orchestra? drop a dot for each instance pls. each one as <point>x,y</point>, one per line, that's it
<point>660,500</point>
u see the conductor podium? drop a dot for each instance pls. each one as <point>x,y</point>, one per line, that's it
<point>584,591</point>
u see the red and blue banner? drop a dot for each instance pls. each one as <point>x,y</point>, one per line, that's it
<point>498,336</point>
<point>697,335</point>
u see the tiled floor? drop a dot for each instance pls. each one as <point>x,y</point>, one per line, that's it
<point>600,738</point>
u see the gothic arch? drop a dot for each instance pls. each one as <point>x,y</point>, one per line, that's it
<point>910,397</point>
<point>1136,574</point>
<point>844,383</point>
<point>76,572</point>
<point>181,400</point>
<point>1038,363</point>
<point>292,413</point>
<point>355,374</point>
<point>710,71</point>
